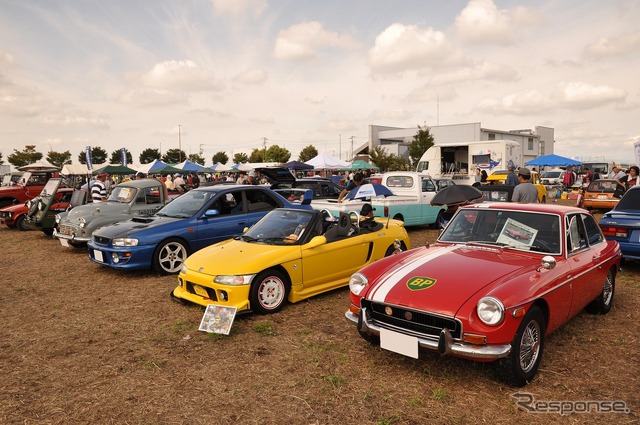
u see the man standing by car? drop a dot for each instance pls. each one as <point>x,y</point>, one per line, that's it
<point>512,179</point>
<point>99,190</point>
<point>525,191</point>
<point>358,179</point>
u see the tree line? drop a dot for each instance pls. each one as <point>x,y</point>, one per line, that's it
<point>422,141</point>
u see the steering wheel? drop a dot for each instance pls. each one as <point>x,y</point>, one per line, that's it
<point>541,246</point>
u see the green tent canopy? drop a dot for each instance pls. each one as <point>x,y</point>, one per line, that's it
<point>114,169</point>
<point>360,164</point>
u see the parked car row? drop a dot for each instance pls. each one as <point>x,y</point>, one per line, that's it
<point>500,278</point>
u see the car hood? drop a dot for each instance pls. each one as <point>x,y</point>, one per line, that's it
<point>223,257</point>
<point>88,210</point>
<point>15,208</point>
<point>129,227</point>
<point>442,279</point>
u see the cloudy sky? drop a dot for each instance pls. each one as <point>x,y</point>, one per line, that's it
<point>229,73</point>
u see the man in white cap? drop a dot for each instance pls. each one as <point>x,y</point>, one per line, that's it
<point>525,191</point>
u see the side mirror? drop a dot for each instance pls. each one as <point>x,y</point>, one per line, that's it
<point>211,213</point>
<point>316,241</point>
<point>547,262</point>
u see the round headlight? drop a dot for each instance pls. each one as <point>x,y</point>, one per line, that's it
<point>490,310</point>
<point>357,282</point>
<point>57,218</point>
<point>83,222</point>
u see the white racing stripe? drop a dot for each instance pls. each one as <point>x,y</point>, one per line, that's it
<point>382,288</point>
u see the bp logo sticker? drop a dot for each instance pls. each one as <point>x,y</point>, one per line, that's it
<point>417,283</point>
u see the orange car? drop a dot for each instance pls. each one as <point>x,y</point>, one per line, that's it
<point>599,195</point>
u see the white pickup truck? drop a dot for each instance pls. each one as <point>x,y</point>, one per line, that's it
<point>410,203</point>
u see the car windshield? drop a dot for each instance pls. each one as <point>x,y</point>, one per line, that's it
<point>122,194</point>
<point>551,174</point>
<point>279,227</point>
<point>630,201</point>
<point>515,229</point>
<point>186,205</point>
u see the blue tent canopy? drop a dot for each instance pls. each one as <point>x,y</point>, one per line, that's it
<point>553,160</point>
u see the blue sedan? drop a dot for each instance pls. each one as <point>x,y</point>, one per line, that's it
<point>199,218</point>
<point>622,224</point>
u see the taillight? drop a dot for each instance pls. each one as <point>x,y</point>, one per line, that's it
<point>615,232</point>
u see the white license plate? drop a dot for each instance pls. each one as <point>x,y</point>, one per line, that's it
<point>399,343</point>
<point>64,242</point>
<point>98,255</point>
<point>602,196</point>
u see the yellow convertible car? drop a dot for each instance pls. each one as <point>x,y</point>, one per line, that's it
<point>288,255</point>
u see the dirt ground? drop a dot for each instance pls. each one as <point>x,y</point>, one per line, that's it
<point>80,343</point>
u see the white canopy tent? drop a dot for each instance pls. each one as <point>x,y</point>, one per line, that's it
<point>324,161</point>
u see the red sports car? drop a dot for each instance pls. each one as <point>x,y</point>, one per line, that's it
<point>480,294</point>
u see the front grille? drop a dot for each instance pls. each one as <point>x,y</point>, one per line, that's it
<point>102,240</point>
<point>210,291</point>
<point>65,229</point>
<point>420,322</point>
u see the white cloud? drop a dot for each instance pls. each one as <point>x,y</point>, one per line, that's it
<point>181,75</point>
<point>153,97</point>
<point>482,22</point>
<point>402,48</point>
<point>303,41</point>
<point>614,46</point>
<point>239,8</point>
<point>484,71</point>
<point>7,58</point>
<point>584,96</point>
<point>253,76</point>
<point>568,95</point>
<point>78,119</point>
<point>521,103</point>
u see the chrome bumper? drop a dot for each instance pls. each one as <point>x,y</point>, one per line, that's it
<point>70,238</point>
<point>444,344</point>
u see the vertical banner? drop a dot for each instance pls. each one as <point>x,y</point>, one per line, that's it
<point>636,152</point>
<point>123,156</point>
<point>88,156</point>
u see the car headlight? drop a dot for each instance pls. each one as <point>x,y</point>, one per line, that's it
<point>490,310</point>
<point>9,215</point>
<point>183,269</point>
<point>57,219</point>
<point>125,242</point>
<point>83,222</point>
<point>357,282</point>
<point>239,279</point>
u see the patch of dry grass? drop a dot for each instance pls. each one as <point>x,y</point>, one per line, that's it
<point>80,343</point>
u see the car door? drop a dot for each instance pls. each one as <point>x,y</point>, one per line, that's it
<point>582,262</point>
<point>334,261</point>
<point>224,217</point>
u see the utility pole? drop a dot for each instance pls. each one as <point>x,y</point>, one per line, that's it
<point>340,147</point>
<point>352,156</point>
<point>179,143</point>
<point>201,145</point>
<point>264,149</point>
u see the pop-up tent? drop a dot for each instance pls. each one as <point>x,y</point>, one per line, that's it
<point>553,160</point>
<point>325,161</point>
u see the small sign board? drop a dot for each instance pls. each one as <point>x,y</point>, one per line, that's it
<point>218,319</point>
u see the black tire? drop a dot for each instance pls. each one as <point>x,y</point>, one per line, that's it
<point>269,291</point>
<point>170,255</point>
<point>521,365</point>
<point>392,248</point>
<point>602,304</point>
<point>436,224</point>
<point>544,200</point>
<point>21,224</point>
<point>48,231</point>
<point>371,339</point>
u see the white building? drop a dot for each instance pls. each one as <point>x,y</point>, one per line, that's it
<point>394,140</point>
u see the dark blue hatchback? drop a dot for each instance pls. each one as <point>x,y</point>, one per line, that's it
<point>199,218</point>
<point>622,224</point>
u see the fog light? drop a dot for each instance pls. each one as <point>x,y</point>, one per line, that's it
<point>115,258</point>
<point>224,296</point>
